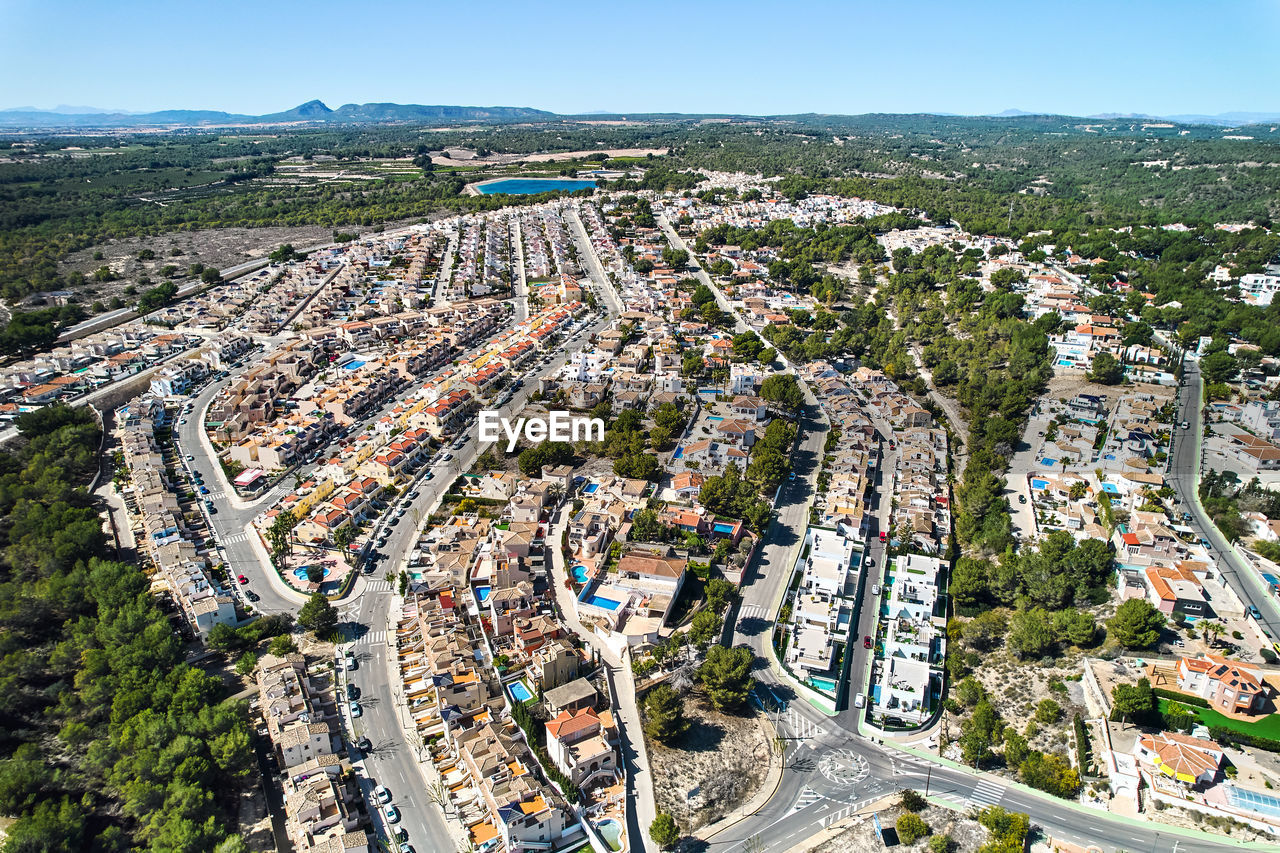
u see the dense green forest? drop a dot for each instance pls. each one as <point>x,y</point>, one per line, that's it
<point>108,741</point>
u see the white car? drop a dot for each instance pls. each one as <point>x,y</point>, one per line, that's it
<point>860,701</point>
<point>382,793</point>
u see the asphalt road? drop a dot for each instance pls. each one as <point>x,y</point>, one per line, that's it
<point>1184,475</point>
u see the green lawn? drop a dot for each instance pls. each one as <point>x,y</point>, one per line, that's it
<point>1268,726</point>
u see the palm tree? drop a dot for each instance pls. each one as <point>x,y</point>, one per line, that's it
<point>1212,631</point>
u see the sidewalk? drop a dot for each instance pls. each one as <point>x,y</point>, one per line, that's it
<point>645,806</point>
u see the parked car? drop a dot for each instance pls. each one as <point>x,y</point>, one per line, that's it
<point>883,536</point>
<point>393,814</point>
<point>875,589</point>
<point>871,562</point>
<point>382,793</point>
<point>364,744</point>
<point>1022,499</point>
<point>860,701</point>
<point>355,709</point>
<point>351,662</point>
<point>252,596</point>
<point>353,692</point>
<point>242,579</point>
<point>1255,612</point>
<point>866,641</point>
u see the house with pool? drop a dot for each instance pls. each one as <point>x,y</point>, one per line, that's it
<point>822,606</point>
<point>914,641</point>
<point>631,605</point>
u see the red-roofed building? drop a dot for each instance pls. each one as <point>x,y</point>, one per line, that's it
<point>1229,686</point>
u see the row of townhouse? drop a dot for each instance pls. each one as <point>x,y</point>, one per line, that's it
<point>164,530</point>
<point>90,363</point>
<point>447,638</point>
<point>855,454</point>
<point>908,676</point>
<point>297,700</point>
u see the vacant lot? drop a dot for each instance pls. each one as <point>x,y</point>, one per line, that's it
<point>966,835</point>
<point>718,765</point>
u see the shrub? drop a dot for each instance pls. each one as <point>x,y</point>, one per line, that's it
<point>912,801</point>
<point>911,828</point>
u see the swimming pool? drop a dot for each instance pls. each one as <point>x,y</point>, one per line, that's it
<point>679,452</point>
<point>1257,801</point>
<point>722,527</point>
<point>590,488</point>
<point>580,574</point>
<point>354,364</point>
<point>611,831</point>
<point>606,603</point>
<point>826,684</point>
<point>301,574</point>
<point>482,594</point>
<point>716,418</point>
<point>519,692</point>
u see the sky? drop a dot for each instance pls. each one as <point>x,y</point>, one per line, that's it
<point>973,57</point>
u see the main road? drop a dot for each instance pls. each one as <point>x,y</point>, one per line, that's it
<point>1184,472</point>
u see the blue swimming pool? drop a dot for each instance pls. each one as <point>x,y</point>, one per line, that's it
<point>722,527</point>
<point>580,574</point>
<point>590,488</point>
<point>482,594</point>
<point>716,418</point>
<point>519,692</point>
<point>679,452</point>
<point>354,364</point>
<point>301,574</point>
<point>826,684</point>
<point>606,603</point>
<point>528,186</point>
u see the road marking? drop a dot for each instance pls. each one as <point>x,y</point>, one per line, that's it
<point>234,538</point>
<point>373,637</point>
<point>377,585</point>
<point>986,793</point>
<point>807,798</point>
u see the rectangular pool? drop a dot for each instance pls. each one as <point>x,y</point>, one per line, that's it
<point>519,692</point>
<point>716,418</point>
<point>722,527</point>
<point>602,602</point>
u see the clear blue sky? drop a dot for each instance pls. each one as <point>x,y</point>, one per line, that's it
<point>658,56</point>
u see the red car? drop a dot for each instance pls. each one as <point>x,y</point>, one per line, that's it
<point>883,536</point>
<point>866,641</point>
<point>242,579</point>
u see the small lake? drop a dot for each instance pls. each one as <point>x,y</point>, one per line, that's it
<point>529,186</point>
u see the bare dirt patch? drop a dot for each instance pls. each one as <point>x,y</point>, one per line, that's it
<point>467,157</point>
<point>717,766</point>
<point>966,835</point>
<point>214,247</point>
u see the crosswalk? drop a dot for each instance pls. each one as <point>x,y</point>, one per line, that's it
<point>213,496</point>
<point>799,725</point>
<point>376,585</point>
<point>986,793</point>
<point>372,638</point>
<point>753,611</point>
<point>235,538</point>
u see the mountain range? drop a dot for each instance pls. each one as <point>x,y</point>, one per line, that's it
<point>310,112</point>
<point>316,112</point>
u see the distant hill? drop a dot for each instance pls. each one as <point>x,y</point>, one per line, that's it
<point>319,113</point>
<point>311,111</point>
